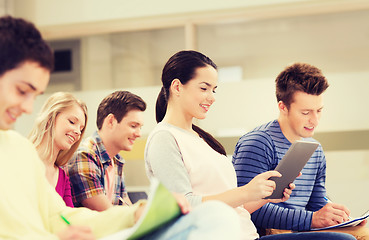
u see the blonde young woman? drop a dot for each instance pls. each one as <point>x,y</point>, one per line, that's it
<point>190,161</point>
<point>56,135</point>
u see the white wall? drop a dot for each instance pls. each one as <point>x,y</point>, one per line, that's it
<point>347,180</point>
<point>2,7</point>
<point>247,104</point>
<point>241,106</point>
<point>54,12</point>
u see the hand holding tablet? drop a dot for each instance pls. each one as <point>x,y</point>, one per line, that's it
<point>291,165</point>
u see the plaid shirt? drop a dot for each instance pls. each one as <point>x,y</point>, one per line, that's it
<point>86,171</point>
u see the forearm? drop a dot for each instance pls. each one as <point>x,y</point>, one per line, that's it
<point>85,174</point>
<point>255,205</point>
<point>99,203</point>
<point>102,223</point>
<point>274,216</point>
<point>234,197</point>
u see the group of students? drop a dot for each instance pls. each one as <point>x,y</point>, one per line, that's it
<point>52,166</point>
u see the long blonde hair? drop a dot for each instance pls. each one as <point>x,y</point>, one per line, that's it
<point>43,128</point>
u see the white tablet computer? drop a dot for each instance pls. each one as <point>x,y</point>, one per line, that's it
<point>291,165</point>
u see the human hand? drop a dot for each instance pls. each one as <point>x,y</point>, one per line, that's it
<point>125,199</point>
<point>73,232</point>
<point>182,202</point>
<point>139,211</point>
<point>363,223</point>
<point>260,186</point>
<point>330,214</point>
<point>286,194</point>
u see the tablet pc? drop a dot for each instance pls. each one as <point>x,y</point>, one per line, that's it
<point>291,165</point>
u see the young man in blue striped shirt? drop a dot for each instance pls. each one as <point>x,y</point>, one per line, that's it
<point>299,91</point>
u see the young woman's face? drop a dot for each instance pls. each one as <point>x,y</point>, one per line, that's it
<point>18,90</point>
<point>68,127</point>
<point>197,95</point>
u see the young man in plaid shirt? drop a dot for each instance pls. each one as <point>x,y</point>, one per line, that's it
<point>96,170</point>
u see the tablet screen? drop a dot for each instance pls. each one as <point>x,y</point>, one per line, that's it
<point>291,165</point>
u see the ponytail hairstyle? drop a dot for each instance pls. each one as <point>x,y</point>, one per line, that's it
<point>183,66</point>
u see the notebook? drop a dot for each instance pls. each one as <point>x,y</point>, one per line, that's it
<point>161,208</point>
<point>350,223</point>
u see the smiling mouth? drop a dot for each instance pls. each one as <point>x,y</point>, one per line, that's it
<point>71,138</point>
<point>13,117</point>
<point>206,107</point>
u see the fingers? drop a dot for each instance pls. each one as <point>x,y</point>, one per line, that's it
<point>363,223</point>
<point>286,195</point>
<point>292,186</point>
<point>264,179</point>
<point>329,215</point>
<point>341,213</point>
<point>76,232</point>
<point>337,219</point>
<point>139,211</point>
<point>287,192</point>
<point>81,228</point>
<point>183,203</point>
<point>269,174</point>
<point>270,184</point>
<point>342,207</point>
<point>267,185</point>
<point>185,207</point>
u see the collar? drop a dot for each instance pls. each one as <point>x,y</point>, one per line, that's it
<point>105,158</point>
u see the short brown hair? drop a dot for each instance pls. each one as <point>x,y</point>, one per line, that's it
<point>118,103</point>
<point>299,77</point>
<point>21,41</point>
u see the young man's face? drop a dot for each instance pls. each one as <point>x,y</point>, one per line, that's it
<point>128,130</point>
<point>18,90</point>
<point>303,116</point>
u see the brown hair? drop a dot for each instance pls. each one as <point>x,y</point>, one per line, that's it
<point>20,41</point>
<point>118,103</point>
<point>299,77</point>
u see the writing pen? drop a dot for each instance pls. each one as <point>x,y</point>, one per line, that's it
<point>64,219</point>
<point>121,199</point>
<point>327,199</point>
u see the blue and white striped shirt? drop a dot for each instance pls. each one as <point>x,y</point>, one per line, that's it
<point>261,150</point>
